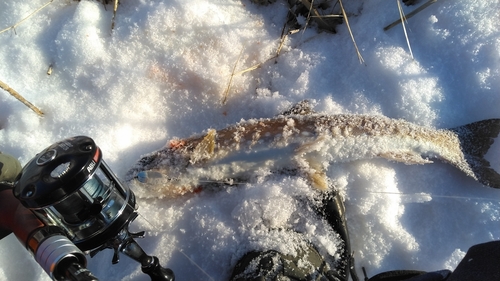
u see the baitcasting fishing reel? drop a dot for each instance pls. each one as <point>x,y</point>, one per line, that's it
<point>72,191</point>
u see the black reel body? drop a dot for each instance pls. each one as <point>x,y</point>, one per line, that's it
<point>70,186</point>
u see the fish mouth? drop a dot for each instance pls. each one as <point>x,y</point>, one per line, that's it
<point>150,176</point>
<point>155,184</point>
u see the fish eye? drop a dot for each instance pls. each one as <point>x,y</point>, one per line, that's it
<point>142,177</point>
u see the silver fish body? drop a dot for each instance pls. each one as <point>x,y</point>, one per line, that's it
<point>309,143</point>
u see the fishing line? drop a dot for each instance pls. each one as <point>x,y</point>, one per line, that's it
<point>421,197</point>
<point>232,182</point>
<point>193,262</point>
<point>175,227</point>
<point>146,220</point>
<point>427,195</point>
<point>422,194</point>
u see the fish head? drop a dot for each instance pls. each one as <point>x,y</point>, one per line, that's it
<point>162,183</point>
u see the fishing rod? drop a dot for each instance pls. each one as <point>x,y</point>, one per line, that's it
<point>66,203</point>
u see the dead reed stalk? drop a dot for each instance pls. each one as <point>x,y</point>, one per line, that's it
<point>20,98</point>
<point>403,19</point>
<point>409,15</point>
<point>360,57</point>
<point>115,7</point>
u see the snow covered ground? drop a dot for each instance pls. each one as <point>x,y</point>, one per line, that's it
<point>163,72</point>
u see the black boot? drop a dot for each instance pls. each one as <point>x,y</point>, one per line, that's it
<point>333,210</point>
<point>273,265</point>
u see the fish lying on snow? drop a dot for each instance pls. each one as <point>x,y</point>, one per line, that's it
<point>310,142</point>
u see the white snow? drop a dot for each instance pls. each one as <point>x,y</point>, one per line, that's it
<point>163,72</point>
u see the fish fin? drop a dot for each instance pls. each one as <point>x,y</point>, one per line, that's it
<point>475,140</point>
<point>205,149</point>
<point>407,157</point>
<point>319,180</point>
<point>301,108</point>
<point>176,144</point>
<point>311,146</point>
<point>316,174</point>
<point>158,189</point>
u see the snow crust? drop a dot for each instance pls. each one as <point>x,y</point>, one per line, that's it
<point>162,73</point>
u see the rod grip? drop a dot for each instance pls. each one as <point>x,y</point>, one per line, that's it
<point>15,217</point>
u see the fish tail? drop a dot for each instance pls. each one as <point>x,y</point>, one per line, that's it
<point>475,140</point>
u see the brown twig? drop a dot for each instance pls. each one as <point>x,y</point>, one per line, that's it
<point>36,11</point>
<point>20,98</point>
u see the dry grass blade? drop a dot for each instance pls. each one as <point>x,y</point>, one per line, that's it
<point>284,35</point>
<point>329,16</point>
<point>403,19</point>
<point>317,17</point>
<point>36,11</point>
<point>310,8</point>
<point>282,39</point>
<point>278,51</point>
<point>409,15</point>
<point>360,57</point>
<point>20,98</point>
<point>228,88</point>
<point>115,7</point>
<point>251,68</point>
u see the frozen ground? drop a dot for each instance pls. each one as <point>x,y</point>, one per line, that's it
<point>163,71</point>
